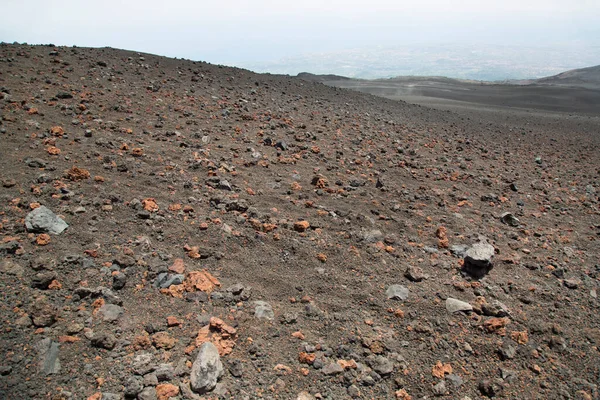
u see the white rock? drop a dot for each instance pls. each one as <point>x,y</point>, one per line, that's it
<point>207,369</point>
<point>454,305</point>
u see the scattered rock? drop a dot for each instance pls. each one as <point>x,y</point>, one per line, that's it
<point>263,310</point>
<point>48,353</point>
<point>42,220</point>
<point>478,259</point>
<point>454,305</point>
<point>207,369</point>
<point>397,292</point>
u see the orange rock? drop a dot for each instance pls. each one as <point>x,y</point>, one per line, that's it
<point>78,174</point>
<point>439,370</point>
<point>178,266</point>
<point>98,178</point>
<point>57,131</point>
<point>321,257</point>
<point>173,321</point>
<point>95,396</point>
<point>295,186</point>
<point>165,391</point>
<point>175,207</point>
<point>220,334</point>
<point>496,325</point>
<point>162,340</point>
<point>43,239</point>
<point>141,342</point>
<point>55,285</point>
<point>137,152</point>
<point>68,339</point>
<point>268,227</point>
<point>520,337</point>
<point>350,364</point>
<point>307,358</point>
<point>304,371</point>
<point>201,280</point>
<point>174,291</point>
<point>301,226</point>
<point>150,205</point>
<point>403,395</point>
<point>53,150</point>
<point>298,335</point>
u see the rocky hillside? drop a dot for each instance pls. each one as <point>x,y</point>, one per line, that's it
<point>177,230</point>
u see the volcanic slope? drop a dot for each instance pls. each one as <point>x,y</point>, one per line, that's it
<point>319,238</point>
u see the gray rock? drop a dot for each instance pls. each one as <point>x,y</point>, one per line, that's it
<point>207,369</point>
<point>143,363</point>
<point>111,396</point>
<point>454,305</point>
<point>10,267</point>
<point>10,247</point>
<point>440,389</point>
<point>456,380</point>
<point>572,283</point>
<point>478,259</point>
<point>459,250</point>
<point>110,312</point>
<point>133,385</point>
<point>148,393</point>
<point>48,354</point>
<point>510,219</point>
<point>5,370</point>
<point>263,310</point>
<point>164,280</point>
<point>381,365</point>
<point>495,309</point>
<point>186,391</point>
<point>397,292</point>
<point>165,372</point>
<point>104,341</point>
<point>373,236</point>
<point>508,351</point>
<point>35,163</point>
<point>150,379</point>
<point>332,369</point>
<point>236,368</point>
<point>42,280</point>
<point>42,220</point>
<point>415,274</point>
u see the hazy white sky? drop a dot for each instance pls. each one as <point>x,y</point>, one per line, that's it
<point>241,31</point>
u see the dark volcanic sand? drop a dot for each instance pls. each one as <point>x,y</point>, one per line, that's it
<point>194,167</point>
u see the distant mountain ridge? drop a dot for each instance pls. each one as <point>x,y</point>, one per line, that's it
<point>587,78</point>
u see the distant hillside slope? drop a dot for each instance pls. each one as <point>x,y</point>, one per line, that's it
<point>588,78</point>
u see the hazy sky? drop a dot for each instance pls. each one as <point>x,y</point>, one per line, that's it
<point>258,30</point>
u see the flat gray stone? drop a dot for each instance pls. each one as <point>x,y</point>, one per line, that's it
<point>397,292</point>
<point>206,370</point>
<point>43,220</point>
<point>332,369</point>
<point>454,305</point>
<point>48,353</point>
<point>110,312</point>
<point>263,310</point>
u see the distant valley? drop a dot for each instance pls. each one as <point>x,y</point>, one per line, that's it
<point>574,91</point>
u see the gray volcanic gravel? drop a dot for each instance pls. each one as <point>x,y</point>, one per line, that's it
<point>242,236</point>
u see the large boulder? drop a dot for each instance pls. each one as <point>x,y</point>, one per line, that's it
<point>43,220</point>
<point>207,369</point>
